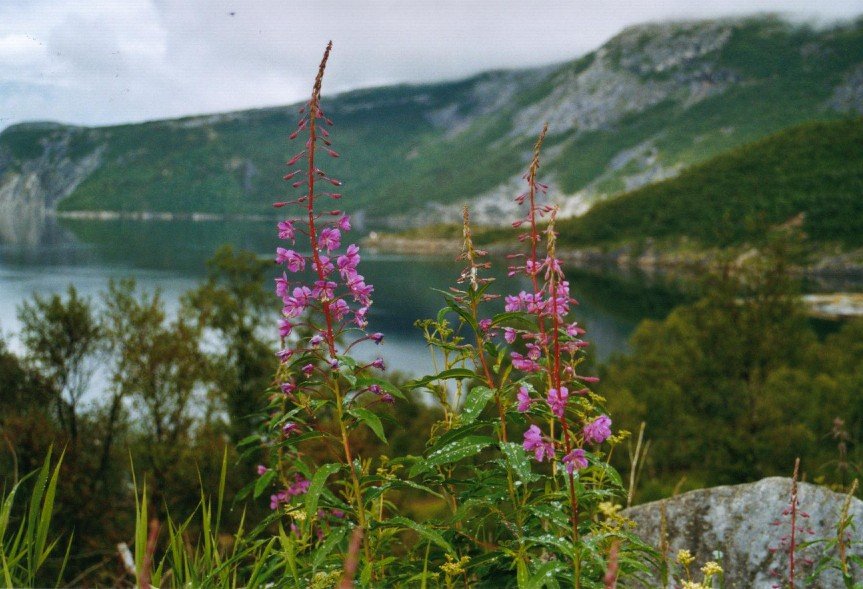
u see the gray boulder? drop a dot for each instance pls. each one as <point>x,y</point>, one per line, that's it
<point>742,527</point>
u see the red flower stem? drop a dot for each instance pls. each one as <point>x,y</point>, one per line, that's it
<point>554,367</point>
<point>314,111</point>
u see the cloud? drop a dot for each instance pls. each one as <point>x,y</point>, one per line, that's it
<point>114,61</point>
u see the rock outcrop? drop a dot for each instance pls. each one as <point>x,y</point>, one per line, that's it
<point>30,188</point>
<point>746,524</point>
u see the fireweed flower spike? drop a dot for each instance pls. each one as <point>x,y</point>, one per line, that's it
<point>549,354</point>
<point>322,318</point>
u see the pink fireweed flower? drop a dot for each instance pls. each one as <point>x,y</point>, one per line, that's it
<point>299,486</point>
<point>285,328</point>
<point>509,335</point>
<point>308,369</point>
<point>552,266</point>
<point>524,400</point>
<point>294,261</point>
<point>575,460</point>
<point>533,351</point>
<point>330,238</point>
<point>324,289</point>
<point>284,355</point>
<point>532,267</point>
<point>349,261</point>
<point>345,223</point>
<point>512,303</point>
<point>360,317</point>
<point>303,295</point>
<point>288,387</point>
<point>379,364</point>
<point>533,442</point>
<point>293,308</point>
<point>325,267</point>
<point>557,401</point>
<point>290,428</point>
<point>598,430</point>
<point>573,346</point>
<point>282,286</point>
<point>286,230</point>
<point>261,469</point>
<point>277,499</point>
<point>534,303</point>
<point>360,290</point>
<point>519,362</point>
<point>316,340</point>
<point>573,330</point>
<point>378,338</point>
<point>339,309</point>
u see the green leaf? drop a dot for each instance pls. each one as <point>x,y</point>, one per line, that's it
<point>249,440</point>
<point>513,317</point>
<point>371,420</point>
<point>379,489</point>
<point>518,460</point>
<point>387,386</point>
<point>443,375</point>
<point>263,482</point>
<point>553,541</point>
<point>544,575</point>
<point>347,361</point>
<point>296,439</point>
<point>316,486</point>
<point>333,539</point>
<point>521,573</point>
<point>555,512</point>
<point>463,314</point>
<point>425,532</point>
<point>456,434</point>
<point>458,450</point>
<point>476,400</point>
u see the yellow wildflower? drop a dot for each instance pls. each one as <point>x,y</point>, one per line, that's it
<point>608,509</point>
<point>452,568</point>
<point>298,515</point>
<point>685,557</point>
<point>711,569</point>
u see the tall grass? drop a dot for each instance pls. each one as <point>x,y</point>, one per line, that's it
<point>25,548</point>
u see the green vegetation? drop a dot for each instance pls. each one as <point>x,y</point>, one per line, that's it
<point>405,146</point>
<point>736,385</point>
<point>174,406</point>
<point>811,174</point>
<point>509,478</point>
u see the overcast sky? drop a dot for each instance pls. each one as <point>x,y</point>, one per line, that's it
<point>110,61</point>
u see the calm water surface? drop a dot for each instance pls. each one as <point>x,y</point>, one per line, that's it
<point>171,256</point>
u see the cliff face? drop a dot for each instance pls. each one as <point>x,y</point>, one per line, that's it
<point>31,187</point>
<point>652,101</point>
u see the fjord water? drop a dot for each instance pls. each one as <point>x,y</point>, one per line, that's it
<point>171,256</point>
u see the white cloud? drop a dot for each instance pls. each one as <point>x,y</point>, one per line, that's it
<point>111,61</point>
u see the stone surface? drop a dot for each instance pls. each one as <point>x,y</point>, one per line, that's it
<point>741,522</point>
<point>29,191</point>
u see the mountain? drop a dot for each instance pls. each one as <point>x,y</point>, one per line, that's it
<point>650,103</point>
<point>810,175</point>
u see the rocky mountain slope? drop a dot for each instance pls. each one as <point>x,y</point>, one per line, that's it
<point>810,176</point>
<point>649,103</point>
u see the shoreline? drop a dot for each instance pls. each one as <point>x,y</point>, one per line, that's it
<point>198,217</point>
<point>828,270</point>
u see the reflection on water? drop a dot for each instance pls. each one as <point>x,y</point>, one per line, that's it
<point>171,255</point>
